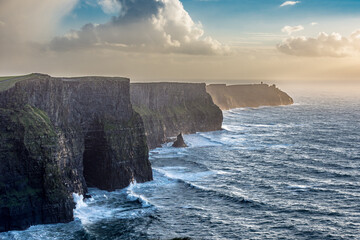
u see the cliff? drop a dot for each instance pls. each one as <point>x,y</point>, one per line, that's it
<point>254,95</point>
<point>60,135</point>
<point>170,108</point>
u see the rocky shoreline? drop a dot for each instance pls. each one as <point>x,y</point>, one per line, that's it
<point>60,136</point>
<point>168,109</point>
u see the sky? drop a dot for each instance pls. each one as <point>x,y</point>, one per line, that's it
<point>183,40</point>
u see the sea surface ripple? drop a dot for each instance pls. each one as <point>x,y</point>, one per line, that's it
<point>288,172</point>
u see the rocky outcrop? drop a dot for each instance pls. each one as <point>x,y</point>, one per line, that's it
<point>170,108</point>
<point>60,135</point>
<point>179,143</point>
<point>252,95</point>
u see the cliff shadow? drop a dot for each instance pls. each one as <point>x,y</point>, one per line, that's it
<point>115,153</point>
<point>95,151</point>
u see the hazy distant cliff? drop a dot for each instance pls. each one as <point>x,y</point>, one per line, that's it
<point>170,108</point>
<point>60,135</point>
<point>252,95</point>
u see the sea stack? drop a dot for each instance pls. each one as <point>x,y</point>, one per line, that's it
<point>180,143</point>
<point>170,108</point>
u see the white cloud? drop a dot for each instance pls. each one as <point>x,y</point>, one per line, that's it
<point>145,25</point>
<point>29,26</point>
<point>110,6</point>
<point>289,3</point>
<point>324,45</point>
<point>314,23</point>
<point>32,20</point>
<point>291,29</point>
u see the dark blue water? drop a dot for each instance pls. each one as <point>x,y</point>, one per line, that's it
<point>273,173</point>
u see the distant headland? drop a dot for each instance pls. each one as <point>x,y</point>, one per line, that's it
<point>250,95</point>
<point>60,136</point>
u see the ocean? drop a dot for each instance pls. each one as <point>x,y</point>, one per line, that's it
<point>287,172</point>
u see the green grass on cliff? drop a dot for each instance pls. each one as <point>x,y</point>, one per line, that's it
<point>15,197</point>
<point>8,82</point>
<point>145,111</point>
<point>28,140</point>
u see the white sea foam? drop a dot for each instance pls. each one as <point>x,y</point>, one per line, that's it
<point>181,173</point>
<point>107,205</point>
<point>82,211</point>
<point>132,196</point>
<point>232,128</point>
<point>229,137</point>
<point>298,187</point>
<point>192,140</point>
<point>200,140</point>
<point>79,200</point>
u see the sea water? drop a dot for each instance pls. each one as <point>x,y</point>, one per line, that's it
<point>288,172</point>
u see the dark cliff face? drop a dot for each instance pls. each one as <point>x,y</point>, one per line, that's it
<point>170,108</point>
<point>255,95</point>
<point>57,136</point>
<point>31,181</point>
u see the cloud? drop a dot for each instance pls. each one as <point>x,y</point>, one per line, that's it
<point>291,29</point>
<point>314,23</point>
<point>324,45</point>
<point>27,25</point>
<point>110,6</point>
<point>32,20</point>
<point>144,25</point>
<point>289,3</point>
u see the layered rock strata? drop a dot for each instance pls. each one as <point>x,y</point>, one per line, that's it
<point>251,95</point>
<point>170,108</point>
<point>60,135</point>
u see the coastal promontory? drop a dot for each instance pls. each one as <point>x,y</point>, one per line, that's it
<point>61,135</point>
<point>249,95</point>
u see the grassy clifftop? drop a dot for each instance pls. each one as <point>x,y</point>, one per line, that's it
<point>9,81</point>
<point>51,129</point>
<point>31,184</point>
<point>250,95</point>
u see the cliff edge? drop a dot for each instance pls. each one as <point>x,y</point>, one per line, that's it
<point>60,135</point>
<point>170,108</point>
<point>252,95</point>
